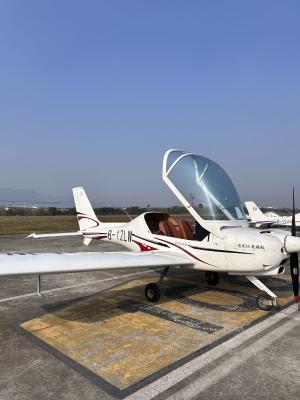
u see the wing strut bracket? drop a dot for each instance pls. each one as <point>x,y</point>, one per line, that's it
<point>39,286</point>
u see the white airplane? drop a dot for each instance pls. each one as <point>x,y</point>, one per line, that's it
<point>270,218</point>
<point>222,241</point>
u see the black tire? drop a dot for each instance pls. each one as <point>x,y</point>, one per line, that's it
<point>212,278</point>
<point>264,302</point>
<point>152,292</point>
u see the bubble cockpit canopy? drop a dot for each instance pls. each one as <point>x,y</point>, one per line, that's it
<point>203,186</point>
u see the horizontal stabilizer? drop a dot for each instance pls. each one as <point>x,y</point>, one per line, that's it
<point>50,235</point>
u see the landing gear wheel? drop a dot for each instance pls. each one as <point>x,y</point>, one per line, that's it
<point>152,292</point>
<point>212,278</point>
<point>264,302</point>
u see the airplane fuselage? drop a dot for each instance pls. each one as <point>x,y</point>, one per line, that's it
<point>285,220</point>
<point>240,250</point>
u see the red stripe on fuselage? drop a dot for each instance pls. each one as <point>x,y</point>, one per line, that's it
<point>187,252</point>
<point>144,247</point>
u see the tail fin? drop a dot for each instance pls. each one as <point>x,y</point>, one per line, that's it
<point>85,214</point>
<point>254,211</point>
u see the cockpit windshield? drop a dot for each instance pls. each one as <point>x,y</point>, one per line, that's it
<point>204,185</point>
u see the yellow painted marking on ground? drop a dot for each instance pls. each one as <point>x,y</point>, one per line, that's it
<point>124,347</point>
<point>221,298</point>
<point>223,318</point>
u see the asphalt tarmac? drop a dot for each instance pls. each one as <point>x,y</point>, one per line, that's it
<point>93,336</point>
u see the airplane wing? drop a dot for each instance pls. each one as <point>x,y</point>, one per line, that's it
<point>55,263</point>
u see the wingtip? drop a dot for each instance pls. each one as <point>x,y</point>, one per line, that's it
<point>30,236</point>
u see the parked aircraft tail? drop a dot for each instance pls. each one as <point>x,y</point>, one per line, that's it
<point>254,211</point>
<point>86,216</point>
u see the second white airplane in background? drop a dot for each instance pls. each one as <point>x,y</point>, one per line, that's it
<point>258,217</point>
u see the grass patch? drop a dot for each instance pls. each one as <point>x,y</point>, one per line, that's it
<point>43,224</point>
<point>11,225</point>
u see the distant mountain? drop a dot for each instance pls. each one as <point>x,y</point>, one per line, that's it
<point>15,196</point>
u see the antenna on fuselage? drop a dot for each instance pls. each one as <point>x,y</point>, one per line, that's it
<point>125,211</point>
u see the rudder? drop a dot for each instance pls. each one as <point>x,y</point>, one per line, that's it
<point>254,211</point>
<point>86,216</point>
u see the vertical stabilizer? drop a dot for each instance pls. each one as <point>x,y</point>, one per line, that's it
<point>86,216</point>
<point>254,211</point>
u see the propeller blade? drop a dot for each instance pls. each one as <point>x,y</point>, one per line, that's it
<point>295,275</point>
<point>294,262</point>
<point>293,230</point>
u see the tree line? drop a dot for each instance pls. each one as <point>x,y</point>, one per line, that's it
<point>133,210</point>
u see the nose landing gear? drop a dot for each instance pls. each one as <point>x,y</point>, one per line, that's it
<point>265,301</point>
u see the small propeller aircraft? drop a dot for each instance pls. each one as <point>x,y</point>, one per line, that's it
<point>221,241</point>
<point>257,217</point>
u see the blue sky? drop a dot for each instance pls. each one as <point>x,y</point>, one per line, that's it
<point>92,93</point>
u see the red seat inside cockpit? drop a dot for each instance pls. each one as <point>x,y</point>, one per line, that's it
<point>186,230</point>
<point>164,224</point>
<point>170,227</point>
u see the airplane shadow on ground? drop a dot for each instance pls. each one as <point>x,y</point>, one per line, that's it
<point>186,289</point>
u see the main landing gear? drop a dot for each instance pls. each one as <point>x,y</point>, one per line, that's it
<point>265,301</point>
<point>212,278</point>
<point>152,290</point>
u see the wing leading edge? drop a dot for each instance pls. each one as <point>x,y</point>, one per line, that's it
<point>55,263</point>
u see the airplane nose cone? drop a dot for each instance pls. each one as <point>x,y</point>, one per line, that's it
<point>292,244</point>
